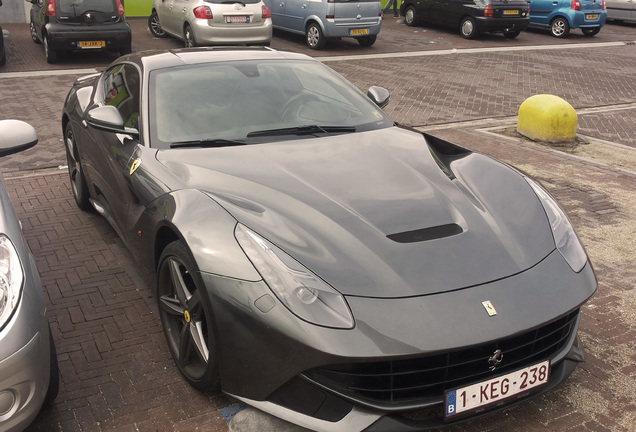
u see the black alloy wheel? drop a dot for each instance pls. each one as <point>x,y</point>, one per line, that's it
<point>75,172</point>
<point>186,317</point>
<point>155,26</point>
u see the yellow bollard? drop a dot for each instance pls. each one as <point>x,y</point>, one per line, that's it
<point>547,118</point>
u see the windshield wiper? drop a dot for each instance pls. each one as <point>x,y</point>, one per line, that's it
<point>219,142</point>
<point>303,130</point>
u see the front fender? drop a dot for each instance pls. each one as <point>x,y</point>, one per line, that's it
<point>207,230</point>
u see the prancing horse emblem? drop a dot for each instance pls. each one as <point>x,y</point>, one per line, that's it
<point>495,359</point>
<point>135,165</point>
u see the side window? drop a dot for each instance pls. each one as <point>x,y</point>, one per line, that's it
<point>121,90</point>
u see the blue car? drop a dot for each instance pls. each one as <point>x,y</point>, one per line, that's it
<point>562,15</point>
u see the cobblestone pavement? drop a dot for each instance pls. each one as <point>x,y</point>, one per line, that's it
<point>117,374</point>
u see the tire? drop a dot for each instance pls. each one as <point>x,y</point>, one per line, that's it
<point>410,16</point>
<point>186,317</point>
<point>591,31</point>
<point>314,37</point>
<point>49,53</point>
<point>54,375</point>
<point>559,27</point>
<point>75,171</point>
<point>34,33</point>
<point>367,41</point>
<point>188,37</point>
<point>155,26</point>
<point>468,28</point>
<point>512,34</point>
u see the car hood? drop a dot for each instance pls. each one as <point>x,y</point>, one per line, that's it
<point>377,214</point>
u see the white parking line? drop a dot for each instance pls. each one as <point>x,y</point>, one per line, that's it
<point>48,73</point>
<point>363,57</point>
<point>473,51</point>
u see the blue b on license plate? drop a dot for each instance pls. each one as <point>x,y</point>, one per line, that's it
<point>484,393</point>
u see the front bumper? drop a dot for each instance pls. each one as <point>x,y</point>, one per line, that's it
<point>115,36</point>
<point>267,355</point>
<point>25,355</point>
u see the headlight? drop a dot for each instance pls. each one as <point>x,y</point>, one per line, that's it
<point>566,240</point>
<point>10,279</point>
<point>302,292</point>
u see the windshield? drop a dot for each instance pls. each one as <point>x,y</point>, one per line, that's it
<point>78,7</point>
<point>255,101</point>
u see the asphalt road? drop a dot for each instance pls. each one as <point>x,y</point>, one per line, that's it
<point>116,371</point>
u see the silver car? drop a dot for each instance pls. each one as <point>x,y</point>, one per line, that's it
<point>621,10</point>
<point>320,20</point>
<point>212,22</point>
<point>29,376</point>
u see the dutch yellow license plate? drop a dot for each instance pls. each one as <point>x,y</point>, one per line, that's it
<point>511,12</point>
<point>591,16</point>
<point>91,44</point>
<point>359,32</point>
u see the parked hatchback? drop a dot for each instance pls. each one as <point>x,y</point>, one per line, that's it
<point>470,17</point>
<point>79,25</point>
<point>560,16</point>
<point>29,376</point>
<point>320,20</point>
<point>212,22</point>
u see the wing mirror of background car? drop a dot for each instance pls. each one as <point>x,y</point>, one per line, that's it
<point>16,136</point>
<point>379,95</point>
<point>108,118</point>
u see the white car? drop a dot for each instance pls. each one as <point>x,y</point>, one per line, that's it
<point>212,22</point>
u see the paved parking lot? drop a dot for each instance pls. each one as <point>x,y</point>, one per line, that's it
<point>117,374</point>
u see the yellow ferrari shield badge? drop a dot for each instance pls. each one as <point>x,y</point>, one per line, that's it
<point>135,165</point>
<point>489,308</point>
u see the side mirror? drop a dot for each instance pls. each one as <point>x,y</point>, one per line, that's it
<point>16,136</point>
<point>379,95</point>
<point>109,119</point>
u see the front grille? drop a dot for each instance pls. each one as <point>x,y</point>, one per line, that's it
<point>406,382</point>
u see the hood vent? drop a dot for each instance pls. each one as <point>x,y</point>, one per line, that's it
<point>426,234</point>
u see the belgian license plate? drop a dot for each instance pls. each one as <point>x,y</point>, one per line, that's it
<point>511,12</point>
<point>237,19</point>
<point>359,32</point>
<point>91,44</point>
<point>591,16</point>
<point>474,396</point>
